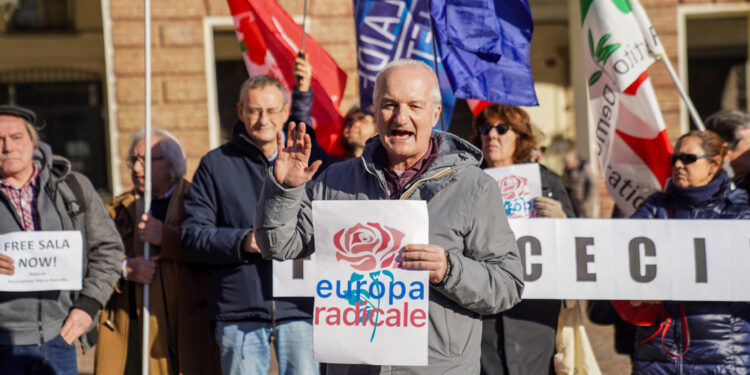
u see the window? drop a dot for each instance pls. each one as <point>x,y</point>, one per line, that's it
<point>38,15</point>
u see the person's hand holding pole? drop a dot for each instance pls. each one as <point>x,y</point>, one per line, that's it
<point>302,73</point>
<point>291,167</point>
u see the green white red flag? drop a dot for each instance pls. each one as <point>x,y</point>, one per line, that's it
<point>628,127</point>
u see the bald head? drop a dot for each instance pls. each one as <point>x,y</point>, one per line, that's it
<point>411,65</point>
<point>407,107</point>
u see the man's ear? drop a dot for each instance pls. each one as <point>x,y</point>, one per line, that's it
<point>239,111</point>
<point>436,115</point>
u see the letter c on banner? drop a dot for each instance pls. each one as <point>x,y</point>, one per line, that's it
<point>649,250</point>
<point>535,248</point>
<point>583,258</point>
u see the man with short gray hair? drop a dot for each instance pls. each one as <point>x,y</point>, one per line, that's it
<point>733,126</point>
<point>472,259</point>
<point>41,193</point>
<point>218,230</point>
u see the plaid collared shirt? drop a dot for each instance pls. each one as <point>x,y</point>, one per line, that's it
<point>23,200</point>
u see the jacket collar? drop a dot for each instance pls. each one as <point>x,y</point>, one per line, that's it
<point>241,141</point>
<point>720,188</point>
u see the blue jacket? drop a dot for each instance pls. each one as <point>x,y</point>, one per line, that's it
<point>719,332</point>
<point>219,210</point>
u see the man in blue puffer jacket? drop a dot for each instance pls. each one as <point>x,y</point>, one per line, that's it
<point>217,229</point>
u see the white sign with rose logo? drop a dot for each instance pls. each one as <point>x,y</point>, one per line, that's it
<point>519,184</point>
<point>367,309</point>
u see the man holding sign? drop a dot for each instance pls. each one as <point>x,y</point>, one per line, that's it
<point>40,193</point>
<point>472,258</point>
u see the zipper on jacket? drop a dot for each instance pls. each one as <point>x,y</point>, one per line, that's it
<point>39,312</point>
<point>380,181</point>
<point>421,180</point>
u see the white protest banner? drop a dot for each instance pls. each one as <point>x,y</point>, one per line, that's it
<point>295,278</point>
<point>367,310</point>
<point>684,260</point>
<point>43,260</point>
<point>519,184</point>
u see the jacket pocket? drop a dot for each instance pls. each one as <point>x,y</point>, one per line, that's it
<point>453,328</point>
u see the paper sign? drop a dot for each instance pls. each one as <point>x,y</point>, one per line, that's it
<point>43,260</point>
<point>294,278</point>
<point>367,310</point>
<point>519,185</point>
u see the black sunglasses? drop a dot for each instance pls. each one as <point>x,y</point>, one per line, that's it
<point>485,129</point>
<point>687,158</point>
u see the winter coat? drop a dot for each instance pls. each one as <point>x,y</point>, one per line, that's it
<point>719,332</point>
<point>467,219</point>
<point>522,340</point>
<point>179,282</point>
<point>20,320</point>
<point>219,214</point>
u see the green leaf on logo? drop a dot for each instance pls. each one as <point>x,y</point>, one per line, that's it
<point>601,43</point>
<point>591,43</point>
<point>595,77</point>
<point>622,5</point>
<point>609,50</point>
<point>585,5</point>
<point>243,46</point>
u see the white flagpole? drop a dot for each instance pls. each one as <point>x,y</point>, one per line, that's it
<point>657,49</point>
<point>146,315</point>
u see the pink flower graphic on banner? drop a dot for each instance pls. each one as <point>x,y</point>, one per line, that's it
<point>369,246</point>
<point>512,187</point>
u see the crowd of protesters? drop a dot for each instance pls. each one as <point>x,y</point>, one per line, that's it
<point>211,300</point>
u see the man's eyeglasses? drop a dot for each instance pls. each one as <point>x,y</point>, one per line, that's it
<point>485,129</point>
<point>687,158</point>
<point>131,161</point>
<point>258,112</point>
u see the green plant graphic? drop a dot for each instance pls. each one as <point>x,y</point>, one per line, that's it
<point>601,53</point>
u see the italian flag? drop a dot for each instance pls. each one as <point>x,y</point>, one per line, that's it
<point>627,125</point>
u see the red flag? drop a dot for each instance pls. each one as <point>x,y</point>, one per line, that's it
<point>270,42</point>
<point>477,106</point>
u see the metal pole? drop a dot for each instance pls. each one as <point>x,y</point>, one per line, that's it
<point>304,24</point>
<point>434,55</point>
<point>691,108</point>
<point>146,315</point>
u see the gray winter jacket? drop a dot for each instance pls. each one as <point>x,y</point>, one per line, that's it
<point>467,219</point>
<point>28,318</point>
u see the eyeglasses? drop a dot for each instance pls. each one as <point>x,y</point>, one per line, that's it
<point>687,158</point>
<point>485,129</point>
<point>131,161</point>
<point>258,112</point>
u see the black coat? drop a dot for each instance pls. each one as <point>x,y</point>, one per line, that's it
<point>219,211</point>
<point>521,341</point>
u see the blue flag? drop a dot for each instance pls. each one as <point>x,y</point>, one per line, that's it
<point>391,30</point>
<point>484,46</point>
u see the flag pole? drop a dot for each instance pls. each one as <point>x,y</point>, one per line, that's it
<point>146,315</point>
<point>685,98</point>
<point>434,56</point>
<point>657,49</point>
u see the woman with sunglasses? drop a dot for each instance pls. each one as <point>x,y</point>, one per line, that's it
<point>522,339</point>
<point>692,337</point>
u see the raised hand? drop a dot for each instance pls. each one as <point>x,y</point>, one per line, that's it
<point>302,73</point>
<point>291,167</point>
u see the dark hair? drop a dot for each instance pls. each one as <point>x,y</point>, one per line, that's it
<point>354,114</point>
<point>518,120</point>
<point>711,144</point>
<point>727,123</point>
<point>259,82</point>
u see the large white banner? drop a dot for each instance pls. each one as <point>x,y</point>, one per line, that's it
<point>367,310</point>
<point>682,260</point>
<point>519,184</point>
<point>43,260</point>
<point>294,278</point>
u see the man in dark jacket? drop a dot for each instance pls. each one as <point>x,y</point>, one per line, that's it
<point>40,193</point>
<point>217,229</point>
<point>733,126</point>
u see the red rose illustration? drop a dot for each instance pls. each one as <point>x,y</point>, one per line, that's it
<point>512,187</point>
<point>368,246</point>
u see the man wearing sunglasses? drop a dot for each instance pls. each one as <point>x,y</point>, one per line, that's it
<point>733,126</point>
